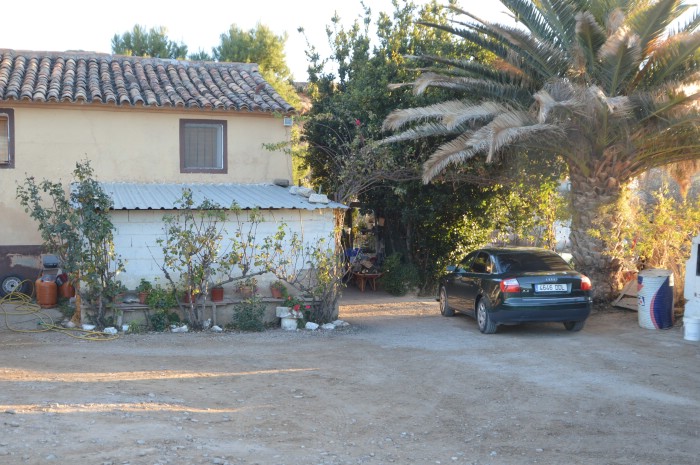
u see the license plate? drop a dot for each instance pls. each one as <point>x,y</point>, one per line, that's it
<point>551,288</point>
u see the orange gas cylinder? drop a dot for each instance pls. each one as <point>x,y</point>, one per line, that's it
<point>46,293</point>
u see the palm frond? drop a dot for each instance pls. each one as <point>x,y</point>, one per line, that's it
<point>541,58</point>
<point>651,23</point>
<point>550,59</point>
<point>472,114</point>
<point>560,17</point>
<point>474,69</point>
<point>476,88</point>
<point>454,152</point>
<point>662,108</point>
<point>526,12</point>
<point>590,38</point>
<point>468,34</point>
<point>675,57</point>
<point>449,112</point>
<point>619,57</point>
<point>398,85</point>
<point>429,129</point>
<point>615,19</point>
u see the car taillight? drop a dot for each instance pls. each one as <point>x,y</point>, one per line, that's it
<point>586,283</point>
<point>510,285</point>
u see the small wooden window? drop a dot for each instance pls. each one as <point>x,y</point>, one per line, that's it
<point>7,138</point>
<point>203,146</point>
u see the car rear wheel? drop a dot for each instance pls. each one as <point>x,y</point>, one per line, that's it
<point>445,308</point>
<point>574,326</point>
<point>483,319</point>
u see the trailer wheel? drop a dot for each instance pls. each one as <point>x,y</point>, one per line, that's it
<point>13,283</point>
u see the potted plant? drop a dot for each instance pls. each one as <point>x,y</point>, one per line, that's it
<point>247,287</point>
<point>143,289</point>
<point>217,293</point>
<point>278,289</point>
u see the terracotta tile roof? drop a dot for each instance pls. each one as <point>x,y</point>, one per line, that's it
<point>98,78</point>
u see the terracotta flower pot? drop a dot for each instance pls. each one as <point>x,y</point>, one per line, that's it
<point>142,297</point>
<point>276,292</point>
<point>66,290</point>
<point>246,291</point>
<point>217,294</point>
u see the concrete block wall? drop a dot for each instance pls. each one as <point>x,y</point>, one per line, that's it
<point>137,233</point>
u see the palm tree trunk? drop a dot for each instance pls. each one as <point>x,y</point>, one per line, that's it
<point>589,196</point>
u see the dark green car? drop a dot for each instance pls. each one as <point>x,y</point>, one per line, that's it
<point>511,285</point>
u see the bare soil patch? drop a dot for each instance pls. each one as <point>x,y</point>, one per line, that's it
<point>400,385</point>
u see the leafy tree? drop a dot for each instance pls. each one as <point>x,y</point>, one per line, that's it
<point>428,225</point>
<point>200,56</point>
<point>262,46</point>
<point>191,248</point>
<point>603,84</point>
<point>152,43</point>
<point>75,225</point>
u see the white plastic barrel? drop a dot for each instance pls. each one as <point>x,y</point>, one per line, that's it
<point>691,328</point>
<point>655,299</point>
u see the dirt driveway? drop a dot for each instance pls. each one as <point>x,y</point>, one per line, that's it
<point>400,385</point>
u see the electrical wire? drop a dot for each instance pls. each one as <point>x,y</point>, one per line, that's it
<point>23,305</point>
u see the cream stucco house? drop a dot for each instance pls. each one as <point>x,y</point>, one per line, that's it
<point>148,127</point>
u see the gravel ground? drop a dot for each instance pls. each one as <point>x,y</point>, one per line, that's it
<point>401,384</point>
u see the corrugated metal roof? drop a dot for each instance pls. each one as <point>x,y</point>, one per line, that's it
<point>134,196</point>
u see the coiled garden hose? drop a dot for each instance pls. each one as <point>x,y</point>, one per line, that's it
<point>18,303</point>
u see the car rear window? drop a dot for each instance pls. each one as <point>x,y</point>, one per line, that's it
<point>519,262</point>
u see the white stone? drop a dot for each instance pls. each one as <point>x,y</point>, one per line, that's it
<point>305,192</point>
<point>282,312</point>
<point>68,324</point>
<point>311,326</point>
<point>87,327</point>
<point>341,323</point>
<point>288,323</point>
<point>178,329</point>
<point>318,198</point>
<point>328,326</point>
<point>216,329</point>
<point>206,324</point>
<point>125,328</point>
<point>111,330</point>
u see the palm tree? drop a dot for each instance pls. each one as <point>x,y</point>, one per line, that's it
<point>610,86</point>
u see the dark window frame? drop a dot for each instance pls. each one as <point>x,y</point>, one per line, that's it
<point>224,155</point>
<point>10,114</point>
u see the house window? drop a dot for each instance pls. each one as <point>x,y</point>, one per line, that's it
<point>7,138</point>
<point>203,146</point>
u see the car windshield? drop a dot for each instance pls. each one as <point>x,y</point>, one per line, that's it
<point>523,262</point>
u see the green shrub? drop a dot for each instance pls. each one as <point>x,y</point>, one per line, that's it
<point>162,319</point>
<point>248,315</point>
<point>135,327</point>
<point>160,298</point>
<point>398,277</point>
